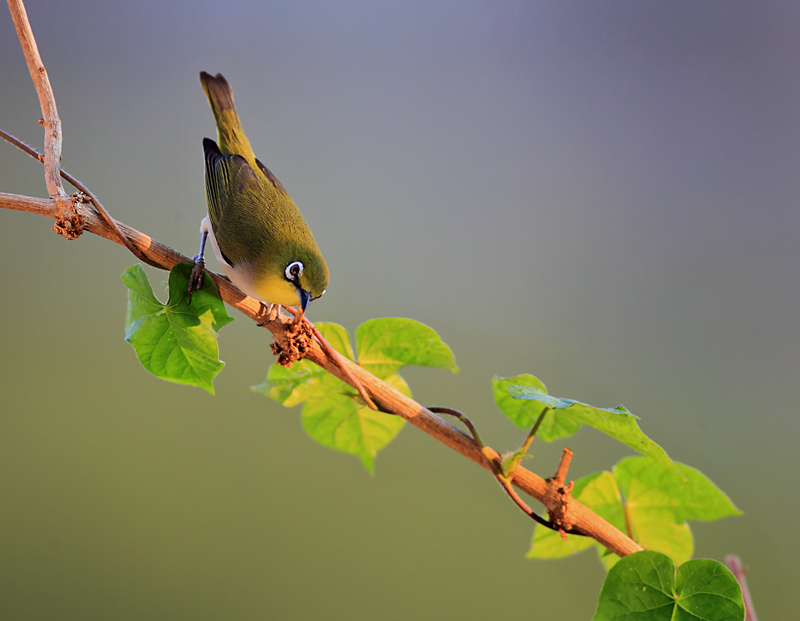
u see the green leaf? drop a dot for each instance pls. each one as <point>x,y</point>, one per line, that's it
<point>333,414</point>
<point>337,337</point>
<point>512,460</point>
<point>176,341</point>
<point>691,497</point>
<point>658,502</point>
<point>616,422</point>
<point>524,412</point>
<point>294,385</point>
<point>387,345</point>
<point>659,535</point>
<point>342,424</point>
<point>644,587</point>
<point>304,379</point>
<point>648,497</point>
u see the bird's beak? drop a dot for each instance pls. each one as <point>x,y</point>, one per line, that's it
<point>305,298</point>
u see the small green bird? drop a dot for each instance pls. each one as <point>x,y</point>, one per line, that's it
<point>257,232</point>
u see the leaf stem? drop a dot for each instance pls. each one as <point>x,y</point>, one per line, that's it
<point>532,434</point>
<point>496,470</point>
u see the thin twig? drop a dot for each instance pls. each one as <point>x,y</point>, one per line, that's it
<point>47,101</point>
<point>451,412</point>
<point>521,504</point>
<point>563,467</point>
<point>495,469</point>
<point>734,563</point>
<point>81,188</point>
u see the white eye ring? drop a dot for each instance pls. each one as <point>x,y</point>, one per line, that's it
<point>293,271</point>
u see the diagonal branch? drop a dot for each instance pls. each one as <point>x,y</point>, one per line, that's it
<point>389,399</point>
<point>159,255</point>
<point>81,188</point>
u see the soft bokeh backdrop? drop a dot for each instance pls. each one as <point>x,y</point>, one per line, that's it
<point>602,194</point>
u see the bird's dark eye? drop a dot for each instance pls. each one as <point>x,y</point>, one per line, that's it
<point>293,270</point>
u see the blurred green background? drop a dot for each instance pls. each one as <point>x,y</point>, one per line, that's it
<point>602,194</point>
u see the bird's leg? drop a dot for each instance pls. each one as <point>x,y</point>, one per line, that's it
<point>269,312</point>
<point>196,277</point>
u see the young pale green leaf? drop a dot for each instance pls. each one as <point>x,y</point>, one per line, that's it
<point>653,532</point>
<point>654,487</point>
<point>333,415</point>
<point>524,412</point>
<point>600,493</point>
<point>512,460</point>
<point>658,502</point>
<point>386,345</point>
<point>341,423</point>
<point>303,379</point>
<point>644,587</point>
<point>176,341</point>
<point>649,498</point>
<point>616,422</point>
<point>294,385</point>
<point>337,337</point>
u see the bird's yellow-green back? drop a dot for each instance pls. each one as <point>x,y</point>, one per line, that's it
<point>255,222</point>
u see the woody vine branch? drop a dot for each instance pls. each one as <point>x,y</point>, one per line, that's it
<point>82,212</point>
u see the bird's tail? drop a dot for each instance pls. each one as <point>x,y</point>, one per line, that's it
<point>230,136</point>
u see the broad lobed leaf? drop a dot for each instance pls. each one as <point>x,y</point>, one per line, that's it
<point>333,414</point>
<point>388,344</point>
<point>524,412</point>
<point>616,422</point>
<point>645,587</point>
<point>176,341</point>
<point>690,497</point>
<point>344,424</point>
<point>647,498</point>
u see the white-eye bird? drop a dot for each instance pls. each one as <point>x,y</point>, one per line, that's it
<point>257,232</point>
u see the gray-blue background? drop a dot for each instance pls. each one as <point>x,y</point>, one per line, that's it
<point>602,194</point>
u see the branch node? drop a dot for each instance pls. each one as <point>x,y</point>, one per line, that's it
<point>69,222</point>
<point>559,512</point>
<point>293,344</point>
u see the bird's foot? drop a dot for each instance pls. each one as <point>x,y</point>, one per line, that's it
<point>196,277</point>
<point>268,313</point>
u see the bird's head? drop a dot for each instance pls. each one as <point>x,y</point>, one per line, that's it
<point>307,273</point>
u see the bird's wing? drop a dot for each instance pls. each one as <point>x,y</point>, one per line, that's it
<point>272,178</point>
<point>226,177</point>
